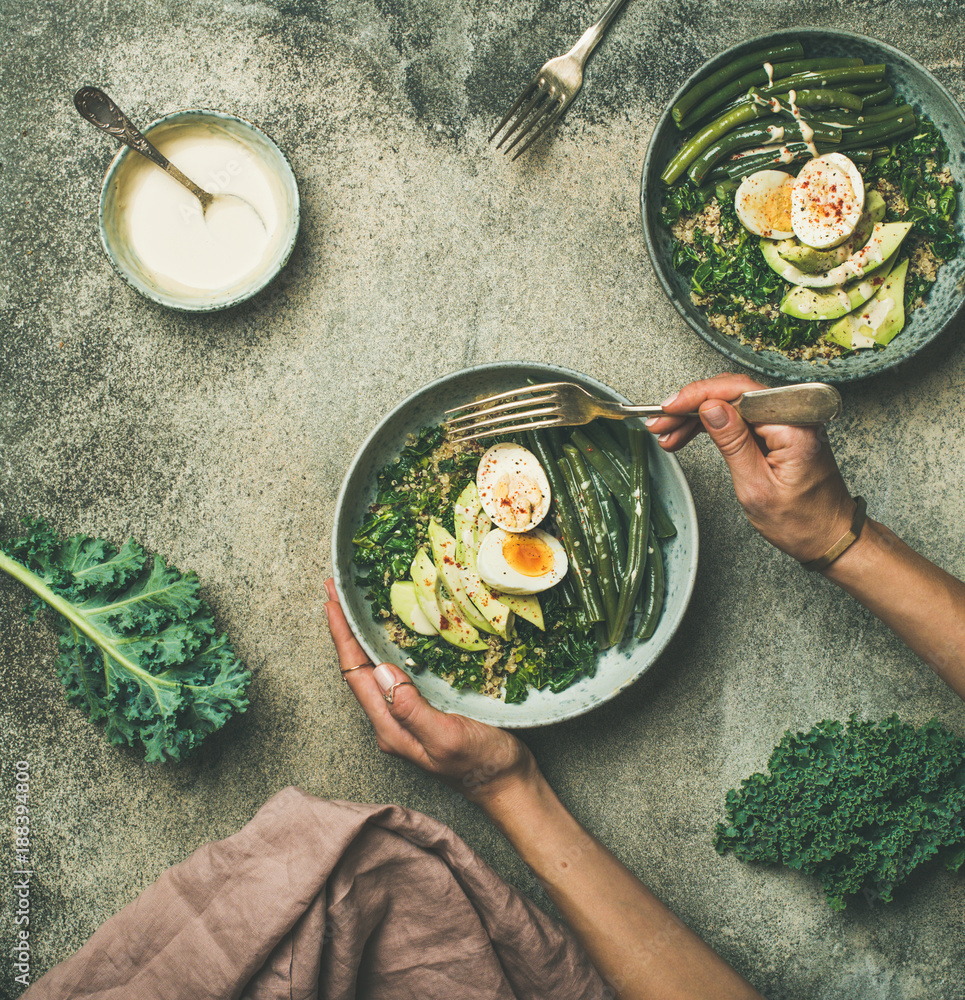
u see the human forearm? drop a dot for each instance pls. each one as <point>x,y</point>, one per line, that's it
<point>638,945</point>
<point>921,603</point>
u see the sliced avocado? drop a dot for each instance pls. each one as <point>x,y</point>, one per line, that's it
<point>405,606</point>
<point>443,614</point>
<point>444,556</point>
<point>812,261</point>
<point>482,527</point>
<point>527,606</point>
<point>885,240</point>
<point>823,304</point>
<point>468,505</point>
<point>879,320</point>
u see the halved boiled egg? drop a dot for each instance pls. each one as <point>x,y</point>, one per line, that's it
<point>513,488</point>
<point>827,201</point>
<point>515,562</point>
<point>763,204</point>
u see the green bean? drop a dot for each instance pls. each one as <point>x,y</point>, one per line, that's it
<point>878,116</point>
<point>877,97</point>
<point>823,98</point>
<point>610,467</point>
<point>584,499</point>
<point>656,587</point>
<point>741,114</point>
<point>639,530</point>
<point>569,526</point>
<point>616,474</point>
<point>611,518</point>
<point>760,76</point>
<point>755,135</point>
<point>663,526</point>
<point>708,86</point>
<point>861,137</point>
<point>692,148</point>
<point>820,80</point>
<point>772,159</point>
<point>725,187</point>
<point>611,436</point>
<point>582,571</point>
<point>838,118</point>
<point>646,588</point>
<point>568,595</point>
<point>849,120</point>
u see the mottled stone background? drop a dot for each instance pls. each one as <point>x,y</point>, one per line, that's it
<point>221,441</point>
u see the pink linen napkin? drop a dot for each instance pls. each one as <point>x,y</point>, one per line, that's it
<point>329,900</point>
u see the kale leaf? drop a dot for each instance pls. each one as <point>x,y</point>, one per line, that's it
<point>861,806</point>
<point>139,650</point>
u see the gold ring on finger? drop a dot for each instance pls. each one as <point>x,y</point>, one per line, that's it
<point>389,695</point>
<point>358,666</point>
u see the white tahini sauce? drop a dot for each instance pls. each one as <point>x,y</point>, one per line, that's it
<point>180,247</point>
<point>807,133</point>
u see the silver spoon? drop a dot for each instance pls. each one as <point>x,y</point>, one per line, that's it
<point>97,108</point>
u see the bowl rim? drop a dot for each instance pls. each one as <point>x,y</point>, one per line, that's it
<point>758,360</point>
<point>561,373</point>
<point>160,297</point>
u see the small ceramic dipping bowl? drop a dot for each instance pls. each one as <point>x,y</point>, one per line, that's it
<point>144,213</point>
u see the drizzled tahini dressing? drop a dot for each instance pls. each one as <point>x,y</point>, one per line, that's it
<point>180,248</point>
<point>784,154</point>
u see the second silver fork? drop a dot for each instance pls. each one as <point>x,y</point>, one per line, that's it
<point>554,87</point>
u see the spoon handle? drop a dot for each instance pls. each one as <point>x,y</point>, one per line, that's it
<point>97,108</point>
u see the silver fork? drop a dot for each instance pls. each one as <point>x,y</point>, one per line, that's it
<point>565,404</point>
<point>554,86</point>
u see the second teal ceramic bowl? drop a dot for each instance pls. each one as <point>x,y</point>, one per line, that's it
<point>945,300</point>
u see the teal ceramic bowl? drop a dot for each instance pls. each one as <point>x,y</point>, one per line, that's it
<point>114,228</point>
<point>944,302</point>
<point>616,668</point>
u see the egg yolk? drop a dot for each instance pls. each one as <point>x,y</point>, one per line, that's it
<point>528,554</point>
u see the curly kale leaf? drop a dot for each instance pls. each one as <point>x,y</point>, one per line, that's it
<point>729,272</point>
<point>138,645</point>
<point>914,167</point>
<point>860,806</point>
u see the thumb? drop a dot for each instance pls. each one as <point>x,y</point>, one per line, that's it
<point>404,702</point>
<point>733,438</point>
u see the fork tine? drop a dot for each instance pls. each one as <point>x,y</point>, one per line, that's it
<point>514,405</point>
<point>550,119</point>
<point>493,431</point>
<point>530,113</point>
<point>519,100</point>
<point>547,112</point>
<point>478,404</point>
<point>505,418</point>
<point>542,110</point>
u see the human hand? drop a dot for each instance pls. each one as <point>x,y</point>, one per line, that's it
<point>477,760</point>
<point>785,478</point>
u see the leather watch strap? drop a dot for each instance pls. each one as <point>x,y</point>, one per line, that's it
<point>844,542</point>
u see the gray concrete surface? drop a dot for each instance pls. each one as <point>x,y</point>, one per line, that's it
<point>220,441</point>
